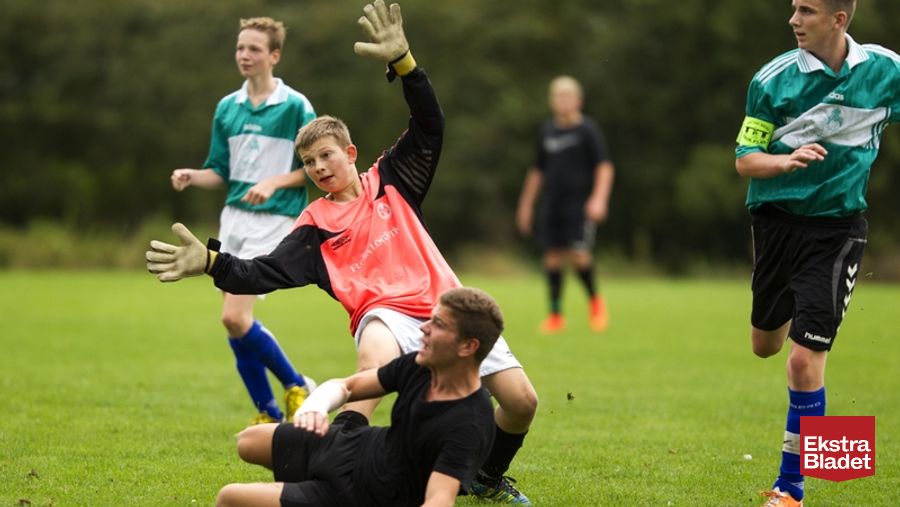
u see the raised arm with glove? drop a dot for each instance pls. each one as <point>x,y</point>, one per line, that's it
<point>384,28</point>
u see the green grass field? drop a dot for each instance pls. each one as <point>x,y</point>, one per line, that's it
<point>119,390</point>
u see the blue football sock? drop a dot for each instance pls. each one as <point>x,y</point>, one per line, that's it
<point>263,344</point>
<point>801,404</point>
<point>253,373</point>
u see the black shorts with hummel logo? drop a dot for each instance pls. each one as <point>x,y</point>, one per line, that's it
<point>804,270</point>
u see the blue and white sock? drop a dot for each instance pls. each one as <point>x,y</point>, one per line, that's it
<point>261,341</point>
<point>253,373</point>
<point>801,404</point>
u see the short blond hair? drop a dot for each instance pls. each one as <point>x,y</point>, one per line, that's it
<point>568,81</point>
<point>274,29</point>
<point>323,126</point>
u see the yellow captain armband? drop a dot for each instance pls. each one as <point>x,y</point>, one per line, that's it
<point>755,132</point>
<point>404,65</point>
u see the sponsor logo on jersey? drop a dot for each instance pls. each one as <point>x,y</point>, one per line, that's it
<point>252,127</point>
<point>383,239</point>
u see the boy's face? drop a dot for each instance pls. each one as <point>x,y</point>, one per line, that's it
<point>440,343</point>
<point>564,99</point>
<point>814,25</point>
<point>252,53</point>
<point>331,167</point>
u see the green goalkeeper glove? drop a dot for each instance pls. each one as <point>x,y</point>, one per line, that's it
<point>384,28</point>
<point>171,263</point>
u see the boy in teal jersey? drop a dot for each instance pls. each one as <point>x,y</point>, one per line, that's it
<point>814,119</point>
<point>252,150</point>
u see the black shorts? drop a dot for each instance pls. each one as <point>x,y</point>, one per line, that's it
<point>571,233</point>
<point>804,270</point>
<point>318,471</point>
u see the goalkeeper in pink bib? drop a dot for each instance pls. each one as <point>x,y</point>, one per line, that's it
<point>365,243</point>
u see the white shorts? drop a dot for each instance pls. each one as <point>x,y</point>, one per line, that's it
<point>247,234</point>
<point>409,337</point>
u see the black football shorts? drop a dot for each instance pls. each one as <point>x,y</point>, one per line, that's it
<point>318,471</point>
<point>804,270</point>
<point>568,233</point>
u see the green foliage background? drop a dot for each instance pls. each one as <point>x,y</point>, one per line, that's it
<point>100,100</point>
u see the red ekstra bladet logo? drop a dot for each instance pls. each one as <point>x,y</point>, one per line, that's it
<point>837,448</point>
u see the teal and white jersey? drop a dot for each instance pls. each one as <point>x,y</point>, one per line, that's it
<point>251,144</point>
<point>794,100</point>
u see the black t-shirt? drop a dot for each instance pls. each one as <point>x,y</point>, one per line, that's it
<point>450,437</point>
<point>568,158</point>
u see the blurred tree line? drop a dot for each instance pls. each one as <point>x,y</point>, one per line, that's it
<point>100,100</point>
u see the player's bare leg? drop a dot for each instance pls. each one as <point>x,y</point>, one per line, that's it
<point>377,347</point>
<point>581,259</point>
<point>806,368</point>
<point>517,405</point>
<point>257,494</point>
<point>237,313</point>
<point>516,398</point>
<point>254,444</point>
<point>256,351</point>
<point>769,343</point>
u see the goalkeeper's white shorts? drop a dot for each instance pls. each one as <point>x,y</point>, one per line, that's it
<point>409,337</point>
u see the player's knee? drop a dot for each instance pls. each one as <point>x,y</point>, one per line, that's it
<point>800,365</point>
<point>228,495</point>
<point>766,343</point>
<point>244,445</point>
<point>523,406</point>
<point>582,259</point>
<point>764,350</point>
<point>528,407</point>
<point>236,323</point>
<point>248,445</point>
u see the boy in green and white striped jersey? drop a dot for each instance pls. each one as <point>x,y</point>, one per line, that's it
<point>814,120</point>
<point>252,151</point>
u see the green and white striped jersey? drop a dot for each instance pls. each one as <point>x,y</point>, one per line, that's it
<point>796,99</point>
<point>251,144</point>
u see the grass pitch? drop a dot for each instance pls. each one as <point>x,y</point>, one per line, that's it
<point>119,390</point>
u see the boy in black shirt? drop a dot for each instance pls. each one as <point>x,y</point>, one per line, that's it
<point>573,176</point>
<point>441,424</point>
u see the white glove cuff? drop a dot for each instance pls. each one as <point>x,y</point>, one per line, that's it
<point>327,397</point>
